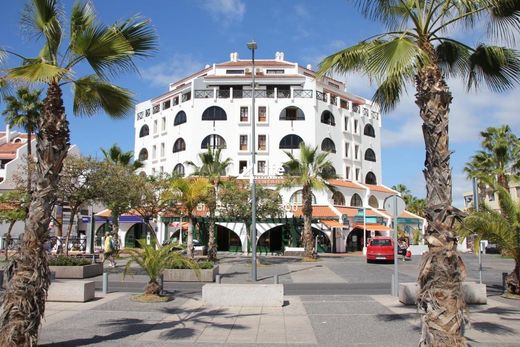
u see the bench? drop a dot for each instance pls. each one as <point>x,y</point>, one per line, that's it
<point>71,291</point>
<point>474,293</point>
<point>256,295</point>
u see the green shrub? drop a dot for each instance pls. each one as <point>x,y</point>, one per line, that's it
<point>62,260</point>
<point>206,264</point>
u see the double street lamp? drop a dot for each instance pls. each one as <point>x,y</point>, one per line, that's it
<point>252,46</point>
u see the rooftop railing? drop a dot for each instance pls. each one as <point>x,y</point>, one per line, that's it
<point>242,94</point>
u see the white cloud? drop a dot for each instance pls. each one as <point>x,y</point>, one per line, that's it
<point>301,11</point>
<point>171,70</point>
<point>224,11</point>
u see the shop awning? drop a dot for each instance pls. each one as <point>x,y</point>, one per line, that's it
<point>378,227</point>
<point>332,223</point>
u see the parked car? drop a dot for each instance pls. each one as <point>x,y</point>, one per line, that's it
<point>492,248</point>
<point>380,248</point>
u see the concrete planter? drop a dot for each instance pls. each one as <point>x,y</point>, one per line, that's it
<point>188,275</point>
<point>85,271</point>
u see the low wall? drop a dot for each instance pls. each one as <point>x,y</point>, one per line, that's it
<point>188,275</point>
<point>76,272</point>
<point>256,295</point>
<point>71,291</point>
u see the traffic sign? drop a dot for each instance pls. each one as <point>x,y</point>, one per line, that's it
<point>394,205</point>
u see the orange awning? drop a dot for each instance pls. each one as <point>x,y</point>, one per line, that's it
<point>332,223</point>
<point>378,227</point>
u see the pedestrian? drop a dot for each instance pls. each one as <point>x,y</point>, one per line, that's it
<point>109,249</point>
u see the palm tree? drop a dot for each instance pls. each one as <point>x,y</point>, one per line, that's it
<point>310,170</point>
<point>24,110</point>
<point>417,49</point>
<point>501,228</point>
<point>188,193</point>
<point>154,260</point>
<point>116,155</point>
<point>213,168</point>
<point>108,51</point>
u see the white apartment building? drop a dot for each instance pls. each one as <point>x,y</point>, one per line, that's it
<point>212,107</point>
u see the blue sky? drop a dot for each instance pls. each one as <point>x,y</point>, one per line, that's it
<point>193,33</point>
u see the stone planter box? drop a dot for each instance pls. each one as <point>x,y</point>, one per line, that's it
<point>85,271</point>
<point>188,275</point>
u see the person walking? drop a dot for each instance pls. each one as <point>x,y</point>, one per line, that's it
<point>108,246</point>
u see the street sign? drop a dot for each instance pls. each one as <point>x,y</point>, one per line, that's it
<point>344,220</point>
<point>394,205</point>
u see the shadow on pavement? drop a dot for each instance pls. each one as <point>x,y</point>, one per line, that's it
<point>493,328</point>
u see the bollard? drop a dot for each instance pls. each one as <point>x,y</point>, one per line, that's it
<point>504,277</point>
<point>217,279</point>
<point>393,285</point>
<point>1,279</point>
<point>105,282</point>
<point>276,280</point>
<point>161,283</point>
<point>93,259</point>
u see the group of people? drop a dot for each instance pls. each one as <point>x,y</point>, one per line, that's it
<point>109,249</point>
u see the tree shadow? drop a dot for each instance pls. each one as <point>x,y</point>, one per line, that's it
<point>493,328</point>
<point>391,317</point>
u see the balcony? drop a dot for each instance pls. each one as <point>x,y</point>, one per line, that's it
<point>245,94</point>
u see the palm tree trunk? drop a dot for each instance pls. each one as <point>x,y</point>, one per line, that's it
<point>24,300</point>
<point>307,220</point>
<point>190,249</point>
<point>212,246</point>
<point>8,239</point>
<point>29,162</point>
<point>440,298</point>
<point>513,279</point>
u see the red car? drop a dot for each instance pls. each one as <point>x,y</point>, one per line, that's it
<point>380,248</point>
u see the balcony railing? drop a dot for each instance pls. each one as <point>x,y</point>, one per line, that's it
<point>239,94</point>
<point>203,94</point>
<point>334,100</point>
<point>343,104</point>
<point>223,94</point>
<point>302,93</point>
<point>355,108</point>
<point>365,112</point>
<point>156,108</point>
<point>140,115</point>
<point>321,96</point>
<point>375,114</point>
<point>284,94</point>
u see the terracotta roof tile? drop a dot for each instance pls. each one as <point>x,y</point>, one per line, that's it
<point>377,188</point>
<point>344,183</point>
<point>318,211</point>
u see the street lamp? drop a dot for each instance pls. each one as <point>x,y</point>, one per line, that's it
<point>252,46</point>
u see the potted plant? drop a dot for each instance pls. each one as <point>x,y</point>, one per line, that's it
<point>178,272</point>
<point>74,267</point>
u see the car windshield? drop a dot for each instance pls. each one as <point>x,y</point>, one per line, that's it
<point>382,242</point>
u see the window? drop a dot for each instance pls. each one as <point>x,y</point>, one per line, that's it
<point>356,125</point>
<point>147,113</point>
<point>346,125</point>
<point>143,155</point>
<point>274,71</point>
<point>262,114</point>
<point>242,166</point>
<point>213,141</point>
<point>347,172</point>
<point>338,198</point>
<point>370,178</point>
<point>244,116</point>
<point>369,131</point>
<point>356,200</point>
<point>186,96</point>
<point>214,113</point>
<point>296,198</point>
<point>166,105</point>
<point>179,145</point>
<point>162,150</point>
<point>163,124</point>
<point>154,152</point>
<point>156,109</point>
<point>356,152</point>
<point>327,145</point>
<point>178,170</point>
<point>145,131</point>
<point>234,72</point>
<point>179,118</point>
<point>372,202</point>
<point>243,142</point>
<point>328,118</point>
<point>175,101</point>
<point>292,113</point>
<point>370,155</point>
<point>155,126</point>
<point>161,169</point>
<point>261,166</point>
<point>290,142</point>
<point>347,149</point>
<point>262,142</point>
<point>358,172</point>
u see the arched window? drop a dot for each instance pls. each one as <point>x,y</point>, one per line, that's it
<point>143,155</point>
<point>328,118</point>
<point>297,198</point>
<point>370,155</point>
<point>372,201</point>
<point>292,113</point>
<point>179,145</point>
<point>338,198</point>
<point>213,141</point>
<point>145,131</point>
<point>370,178</point>
<point>328,145</point>
<point>328,172</point>
<point>369,131</point>
<point>290,142</point>
<point>179,170</point>
<point>179,118</point>
<point>356,201</point>
<point>214,113</point>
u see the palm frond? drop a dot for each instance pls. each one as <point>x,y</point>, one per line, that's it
<point>504,21</point>
<point>498,67</point>
<point>82,16</point>
<point>454,57</point>
<point>92,94</point>
<point>389,92</point>
<point>37,70</point>
<point>140,35</point>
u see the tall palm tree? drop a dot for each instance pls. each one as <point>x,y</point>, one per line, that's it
<point>310,171</point>
<point>418,49</point>
<point>188,193</point>
<point>108,51</point>
<point>116,155</point>
<point>213,168</point>
<point>501,228</point>
<point>23,110</point>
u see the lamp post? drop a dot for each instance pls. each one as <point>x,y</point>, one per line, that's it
<point>252,46</point>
